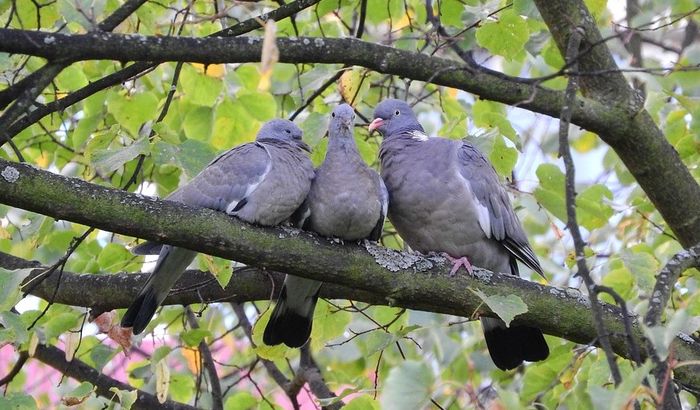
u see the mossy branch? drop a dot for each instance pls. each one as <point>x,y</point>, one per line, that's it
<point>364,272</point>
<point>627,127</point>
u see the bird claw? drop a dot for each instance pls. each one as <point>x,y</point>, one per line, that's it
<point>459,262</point>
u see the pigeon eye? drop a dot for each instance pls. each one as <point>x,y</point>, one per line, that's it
<point>397,112</point>
<point>333,114</point>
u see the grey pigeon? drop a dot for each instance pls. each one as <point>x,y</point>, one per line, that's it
<point>347,200</point>
<point>261,182</point>
<point>444,196</point>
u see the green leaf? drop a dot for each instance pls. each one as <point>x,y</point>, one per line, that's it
<point>17,401</point>
<point>379,340</point>
<point>503,157</point>
<point>198,123</point>
<point>505,37</point>
<point>550,192</point>
<point>643,265</point>
<point>224,135</point>
<point>621,281</point>
<point>241,400</point>
<point>15,331</point>
<point>409,386</point>
<point>61,323</point>
<point>363,402</point>
<point>191,156</point>
<point>261,106</point>
<point>506,307</point>
<point>199,88</point>
<point>593,207</point>
<point>329,323</point>
<point>181,387</point>
<point>82,131</point>
<point>248,76</point>
<point>663,335</point>
<point>127,398</point>
<point>112,257</point>
<point>314,128</point>
<point>80,393</point>
<point>596,7</point>
<point>9,286</point>
<point>71,78</point>
<point>110,160</point>
<point>133,111</point>
<point>160,353</point>
<point>631,382</point>
<point>193,337</point>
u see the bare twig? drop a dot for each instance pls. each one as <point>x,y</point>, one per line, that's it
<point>208,361</point>
<point>21,360</point>
<point>270,366</point>
<point>579,245</point>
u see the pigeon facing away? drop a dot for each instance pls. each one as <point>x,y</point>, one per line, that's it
<point>446,197</point>
<point>261,182</point>
<point>347,200</point>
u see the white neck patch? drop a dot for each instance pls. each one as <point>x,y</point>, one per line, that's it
<point>419,135</point>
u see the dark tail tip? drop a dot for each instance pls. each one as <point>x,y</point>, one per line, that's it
<point>287,326</point>
<point>141,311</point>
<point>509,347</point>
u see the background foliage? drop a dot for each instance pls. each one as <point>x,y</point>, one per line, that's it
<point>162,127</point>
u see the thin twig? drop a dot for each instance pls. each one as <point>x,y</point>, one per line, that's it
<point>579,245</point>
<point>208,361</point>
<point>23,356</point>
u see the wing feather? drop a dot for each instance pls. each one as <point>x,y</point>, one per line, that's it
<point>496,216</point>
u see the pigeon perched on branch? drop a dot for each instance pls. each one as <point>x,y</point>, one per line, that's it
<point>348,201</point>
<point>261,182</point>
<point>446,197</point>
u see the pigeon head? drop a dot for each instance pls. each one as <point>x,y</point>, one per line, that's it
<point>393,116</point>
<point>283,130</point>
<point>342,121</point>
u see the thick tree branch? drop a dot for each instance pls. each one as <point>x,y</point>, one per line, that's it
<point>80,371</point>
<point>626,127</point>
<point>634,145</point>
<point>383,276</point>
<point>25,92</point>
<point>6,96</point>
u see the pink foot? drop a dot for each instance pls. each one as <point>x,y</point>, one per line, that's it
<point>459,262</point>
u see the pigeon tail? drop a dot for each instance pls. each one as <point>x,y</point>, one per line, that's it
<point>510,346</point>
<point>141,310</point>
<point>288,324</point>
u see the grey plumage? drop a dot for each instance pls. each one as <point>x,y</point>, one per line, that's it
<point>261,182</point>
<point>445,196</point>
<point>347,200</point>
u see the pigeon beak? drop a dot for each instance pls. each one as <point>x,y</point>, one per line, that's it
<point>304,146</point>
<point>376,123</point>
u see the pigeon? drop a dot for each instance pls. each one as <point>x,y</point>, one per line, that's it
<point>445,196</point>
<point>347,200</point>
<point>261,182</point>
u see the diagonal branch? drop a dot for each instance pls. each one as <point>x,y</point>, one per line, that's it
<point>663,176</point>
<point>80,371</point>
<point>382,276</point>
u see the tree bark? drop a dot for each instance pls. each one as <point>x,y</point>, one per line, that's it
<point>384,276</point>
<point>612,111</point>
